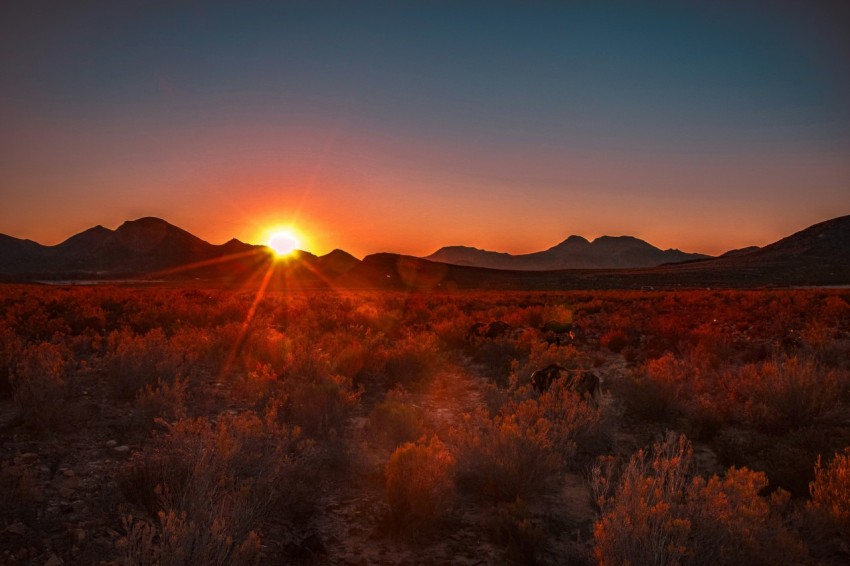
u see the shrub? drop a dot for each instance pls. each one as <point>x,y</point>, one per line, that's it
<point>404,361</point>
<point>614,340</point>
<point>10,345</point>
<point>419,483</point>
<point>39,385</point>
<point>320,406</point>
<point>134,361</point>
<point>831,492</point>
<point>227,475</point>
<point>504,458</point>
<point>166,401</point>
<point>513,527</point>
<point>396,420</point>
<point>173,540</point>
<point>655,513</point>
<point>790,394</point>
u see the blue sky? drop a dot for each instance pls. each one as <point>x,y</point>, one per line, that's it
<point>405,126</point>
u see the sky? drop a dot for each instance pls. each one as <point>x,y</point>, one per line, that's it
<point>407,126</point>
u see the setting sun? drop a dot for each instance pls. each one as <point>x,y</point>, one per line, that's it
<point>283,243</point>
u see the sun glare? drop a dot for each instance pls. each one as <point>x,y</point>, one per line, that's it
<point>283,243</point>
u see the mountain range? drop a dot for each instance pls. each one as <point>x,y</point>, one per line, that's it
<point>606,252</point>
<point>153,249</point>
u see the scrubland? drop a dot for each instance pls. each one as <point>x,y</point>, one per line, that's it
<point>191,426</point>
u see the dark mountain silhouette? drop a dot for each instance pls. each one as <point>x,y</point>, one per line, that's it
<point>337,262</point>
<point>143,246</point>
<point>605,252</point>
<point>817,255</point>
<point>153,248</point>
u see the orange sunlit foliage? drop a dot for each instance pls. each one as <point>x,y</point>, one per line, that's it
<point>237,407</point>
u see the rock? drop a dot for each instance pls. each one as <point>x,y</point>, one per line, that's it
<point>54,561</point>
<point>111,444</point>
<point>122,450</point>
<point>28,458</point>
<point>68,473</point>
<point>65,492</point>
<point>16,529</point>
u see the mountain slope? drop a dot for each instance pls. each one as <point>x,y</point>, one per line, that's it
<point>605,252</point>
<point>139,246</point>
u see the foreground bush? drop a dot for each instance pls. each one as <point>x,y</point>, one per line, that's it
<point>420,483</point>
<point>654,512</point>
<point>39,385</point>
<point>519,451</point>
<point>396,419</point>
<point>208,486</point>
<point>831,493</point>
<point>135,361</point>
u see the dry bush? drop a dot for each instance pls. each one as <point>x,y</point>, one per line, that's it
<point>396,419</point>
<point>419,483</point>
<point>791,393</point>
<point>21,492</point>
<point>504,458</point>
<point>228,475</point>
<point>173,540</point>
<point>614,340</point>
<point>513,527</point>
<point>659,389</point>
<point>134,361</point>
<point>519,451</point>
<point>831,493</point>
<point>256,387</point>
<point>39,385</point>
<point>538,355</point>
<point>654,512</point>
<point>403,361</point>
<point>10,346</point>
<point>319,405</point>
<point>166,401</point>
<point>452,326</point>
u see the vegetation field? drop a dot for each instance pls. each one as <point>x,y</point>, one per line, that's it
<point>193,426</point>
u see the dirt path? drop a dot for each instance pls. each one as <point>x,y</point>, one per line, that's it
<point>352,516</point>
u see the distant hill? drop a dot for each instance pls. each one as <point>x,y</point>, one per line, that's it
<point>154,249</point>
<point>151,248</point>
<point>818,255</point>
<point>142,246</point>
<point>606,252</point>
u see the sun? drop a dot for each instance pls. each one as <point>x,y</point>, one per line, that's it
<point>283,242</point>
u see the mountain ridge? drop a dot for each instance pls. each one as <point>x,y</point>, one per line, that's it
<point>154,249</point>
<point>575,252</point>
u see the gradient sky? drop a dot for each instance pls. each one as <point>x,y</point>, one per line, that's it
<point>407,126</point>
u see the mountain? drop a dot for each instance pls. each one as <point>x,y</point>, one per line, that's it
<point>816,256</point>
<point>606,252</point>
<point>151,248</point>
<point>144,246</point>
<point>337,262</point>
<point>154,249</point>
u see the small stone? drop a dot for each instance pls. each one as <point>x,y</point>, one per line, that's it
<point>16,529</point>
<point>68,473</point>
<point>122,450</point>
<point>28,458</point>
<point>65,492</point>
<point>111,443</point>
<point>54,561</point>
